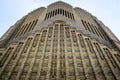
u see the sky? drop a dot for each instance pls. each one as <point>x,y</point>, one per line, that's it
<point>108,11</point>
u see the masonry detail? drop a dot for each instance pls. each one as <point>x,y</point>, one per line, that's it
<point>59,43</point>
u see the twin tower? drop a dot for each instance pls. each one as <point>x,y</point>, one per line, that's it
<point>59,43</point>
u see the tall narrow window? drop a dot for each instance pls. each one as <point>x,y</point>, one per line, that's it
<point>27,45</point>
<point>110,56</point>
<point>17,50</point>
<point>63,12</point>
<point>73,17</point>
<point>87,26</point>
<point>99,51</point>
<point>118,57</point>
<point>28,27</point>
<point>50,14</point>
<point>91,28</point>
<point>84,24</point>
<point>89,45</point>
<point>99,32</point>
<point>46,16</point>
<point>102,36</point>
<point>22,30</point>
<point>19,31</point>
<point>68,14</point>
<point>60,11</point>
<point>25,29</point>
<point>36,40</point>
<point>81,40</point>
<point>7,53</point>
<point>34,24</point>
<point>55,12</point>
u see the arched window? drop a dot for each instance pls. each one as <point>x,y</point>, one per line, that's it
<point>28,27</point>
<point>63,12</point>
<point>45,16</point>
<point>68,14</point>
<point>50,14</point>
<point>60,11</point>
<point>73,17</point>
<point>55,12</point>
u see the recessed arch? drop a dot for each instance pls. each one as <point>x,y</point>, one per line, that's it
<point>59,21</point>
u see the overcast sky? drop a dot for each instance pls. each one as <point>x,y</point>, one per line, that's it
<point>108,11</point>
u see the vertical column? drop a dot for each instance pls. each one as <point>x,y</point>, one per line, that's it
<point>26,50</point>
<point>81,45</point>
<point>45,61</point>
<point>93,58</point>
<point>4,62</point>
<point>111,61</point>
<point>14,59</point>
<point>35,46</point>
<point>42,44</point>
<point>62,54</point>
<point>88,63</point>
<point>66,55</point>
<point>6,55</point>
<point>77,54</point>
<point>54,55</point>
<point>72,32</point>
<point>51,36</point>
<point>58,51</point>
<point>84,56</point>
<point>104,64</point>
